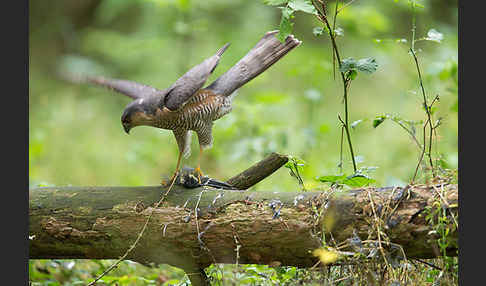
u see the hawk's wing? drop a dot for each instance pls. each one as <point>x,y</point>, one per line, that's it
<point>131,89</point>
<point>187,85</point>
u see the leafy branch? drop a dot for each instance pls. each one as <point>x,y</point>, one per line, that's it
<point>347,74</point>
<point>348,68</point>
<point>429,127</point>
<point>434,36</point>
<point>427,123</point>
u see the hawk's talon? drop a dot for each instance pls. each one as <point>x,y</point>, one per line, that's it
<point>199,174</point>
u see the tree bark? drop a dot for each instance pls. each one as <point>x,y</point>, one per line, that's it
<point>196,227</point>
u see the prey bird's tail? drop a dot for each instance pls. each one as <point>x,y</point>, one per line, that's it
<point>264,54</point>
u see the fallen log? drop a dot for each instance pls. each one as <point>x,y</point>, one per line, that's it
<point>194,228</point>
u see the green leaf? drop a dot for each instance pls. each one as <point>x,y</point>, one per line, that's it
<point>303,5</point>
<point>358,181</point>
<point>332,179</point>
<point>287,12</point>
<point>379,120</point>
<point>347,65</point>
<point>352,74</point>
<point>367,65</point>
<point>294,161</point>
<point>275,2</point>
<point>285,24</point>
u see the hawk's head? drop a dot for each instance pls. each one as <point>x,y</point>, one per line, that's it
<point>139,112</point>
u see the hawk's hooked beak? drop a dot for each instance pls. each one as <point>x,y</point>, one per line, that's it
<point>127,129</point>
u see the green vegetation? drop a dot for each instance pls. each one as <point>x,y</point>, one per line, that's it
<point>386,129</point>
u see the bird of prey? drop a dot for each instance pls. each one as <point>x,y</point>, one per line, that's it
<point>186,106</point>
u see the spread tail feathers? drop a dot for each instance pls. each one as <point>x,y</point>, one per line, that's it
<point>264,54</point>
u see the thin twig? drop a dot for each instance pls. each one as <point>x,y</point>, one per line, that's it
<point>409,132</point>
<point>378,229</point>
<point>426,106</point>
<point>196,207</point>
<point>334,29</point>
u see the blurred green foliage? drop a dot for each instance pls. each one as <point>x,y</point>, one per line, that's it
<point>75,134</point>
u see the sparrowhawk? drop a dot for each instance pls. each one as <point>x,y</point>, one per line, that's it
<point>187,106</point>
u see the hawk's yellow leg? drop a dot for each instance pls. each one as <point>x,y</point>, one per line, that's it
<point>174,176</point>
<point>198,169</point>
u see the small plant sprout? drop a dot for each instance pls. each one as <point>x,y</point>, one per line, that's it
<point>295,166</point>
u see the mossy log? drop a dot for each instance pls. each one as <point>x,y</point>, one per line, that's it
<point>196,227</point>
